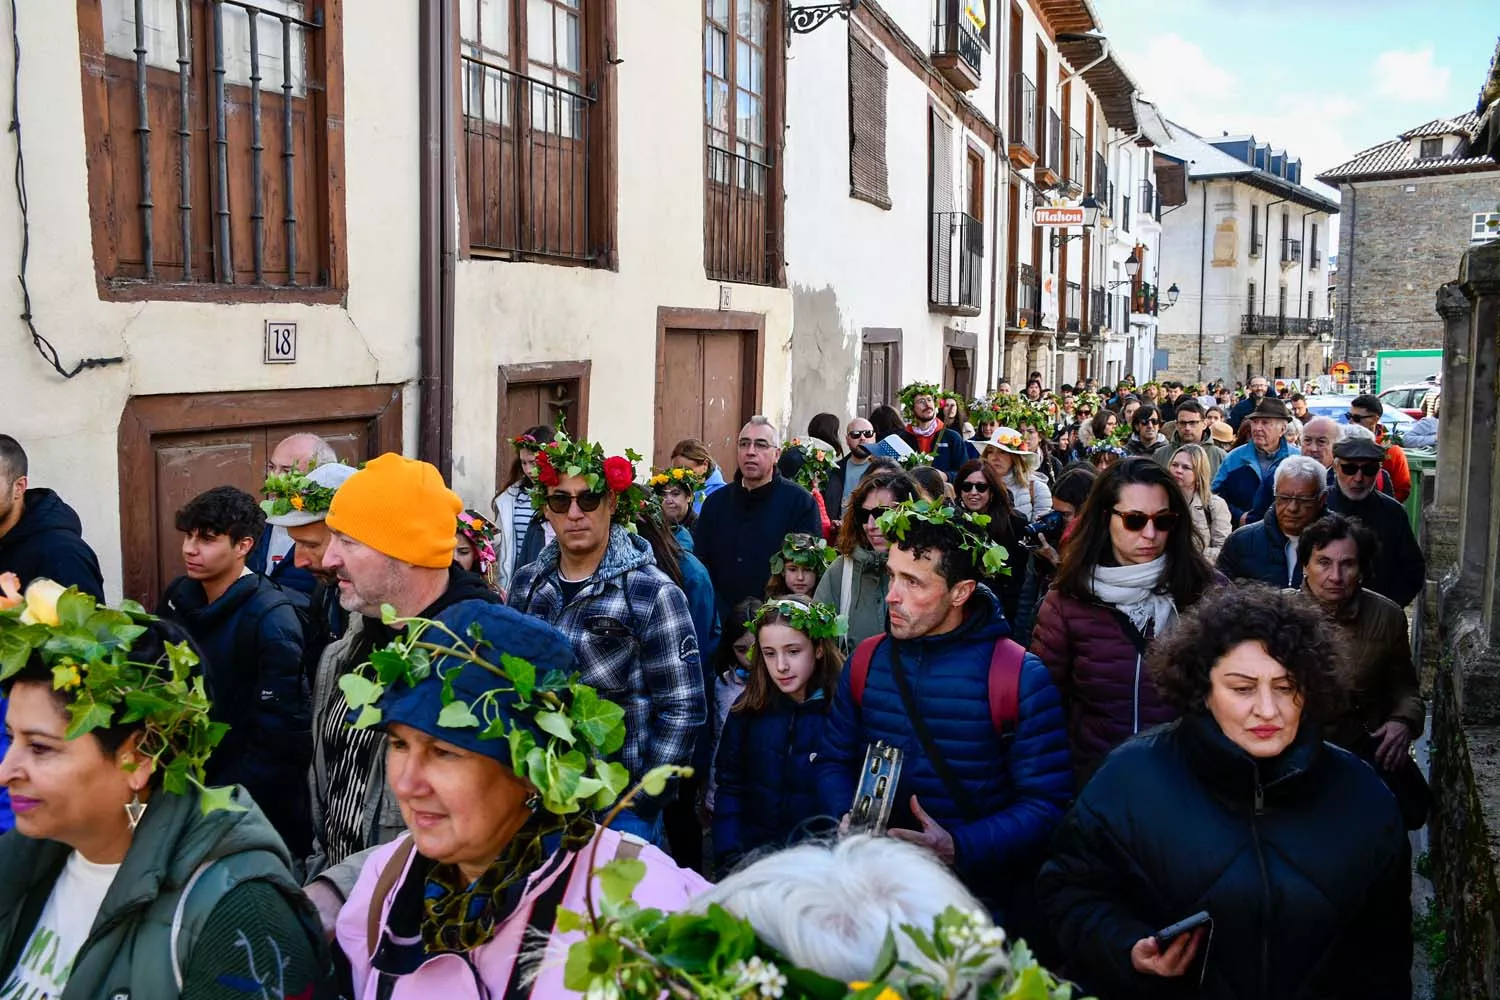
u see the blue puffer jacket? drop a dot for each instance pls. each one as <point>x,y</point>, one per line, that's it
<point>1257,552</point>
<point>1238,479</point>
<point>767,791</point>
<point>1019,785</point>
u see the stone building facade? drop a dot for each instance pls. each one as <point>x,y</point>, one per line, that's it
<point>1410,207</point>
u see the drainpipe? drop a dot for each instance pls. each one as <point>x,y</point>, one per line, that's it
<point>437,249</point>
<point>1302,283</point>
<point>1202,279</point>
<point>1347,263</point>
<point>1002,157</point>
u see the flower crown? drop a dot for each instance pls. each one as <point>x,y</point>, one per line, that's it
<point>909,394</point>
<point>481,533</point>
<point>988,555</point>
<point>815,620</point>
<point>526,442</point>
<point>799,549</point>
<point>686,479</point>
<point>637,953</point>
<point>565,458</point>
<point>817,463</point>
<point>1092,400</point>
<point>289,491</point>
<point>87,648</point>
<point>570,771</point>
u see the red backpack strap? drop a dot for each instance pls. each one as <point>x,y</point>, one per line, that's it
<point>859,669</point>
<point>1005,685</point>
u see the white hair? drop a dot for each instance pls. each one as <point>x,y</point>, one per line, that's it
<point>828,905</point>
<point>318,450</point>
<point>1300,468</point>
<point>1354,432</point>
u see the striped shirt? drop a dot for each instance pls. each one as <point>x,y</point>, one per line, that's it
<point>350,753</point>
<point>520,522</point>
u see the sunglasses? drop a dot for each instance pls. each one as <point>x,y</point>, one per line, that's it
<point>561,503</point>
<point>1361,417</point>
<point>865,513</point>
<point>1149,420</point>
<point>1134,520</point>
<point>861,434</point>
<point>975,488</point>
<point>1370,469</point>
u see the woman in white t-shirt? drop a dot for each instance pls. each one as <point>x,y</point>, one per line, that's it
<point>110,884</point>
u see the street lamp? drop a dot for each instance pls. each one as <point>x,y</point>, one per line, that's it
<point>1090,219</point>
<point>805,19</point>
<point>1172,294</point>
<point>1132,268</point>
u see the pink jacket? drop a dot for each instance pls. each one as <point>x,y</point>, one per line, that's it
<point>451,977</point>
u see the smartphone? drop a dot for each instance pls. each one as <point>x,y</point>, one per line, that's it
<point>1167,935</point>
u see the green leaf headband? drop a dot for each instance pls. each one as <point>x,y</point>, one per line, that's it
<point>581,729</point>
<point>565,458</point>
<point>87,647</point>
<point>628,951</point>
<point>815,620</point>
<point>970,528</point>
<point>799,549</point>
<point>817,463</point>
<point>294,491</point>
<point>910,393</point>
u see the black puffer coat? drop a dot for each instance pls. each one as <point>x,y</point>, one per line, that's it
<point>1301,861</point>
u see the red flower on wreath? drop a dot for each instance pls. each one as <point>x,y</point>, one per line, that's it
<point>618,474</point>
<point>545,473</point>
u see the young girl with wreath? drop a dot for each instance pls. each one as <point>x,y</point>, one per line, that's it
<point>767,795</point>
<point>797,568</point>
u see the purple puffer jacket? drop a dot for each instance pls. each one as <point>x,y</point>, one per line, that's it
<point>1097,659</point>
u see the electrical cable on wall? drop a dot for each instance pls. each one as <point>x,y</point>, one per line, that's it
<point>43,345</point>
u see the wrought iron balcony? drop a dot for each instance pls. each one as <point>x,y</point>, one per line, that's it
<point>1143,300</point>
<point>1101,181</point>
<point>1257,244</point>
<point>737,220</point>
<point>957,268</point>
<point>1074,307</point>
<point>1283,326</point>
<point>1291,251</point>
<point>957,50</point>
<point>1052,155</point>
<point>1314,259</point>
<point>1028,313</point>
<point>1096,311</point>
<point>1023,144</point>
<point>1076,160</point>
<point>1148,204</point>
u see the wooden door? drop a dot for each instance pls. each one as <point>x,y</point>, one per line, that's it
<point>705,390</point>
<point>958,372</point>
<point>174,447</point>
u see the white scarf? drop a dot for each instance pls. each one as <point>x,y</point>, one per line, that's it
<point>1132,590</point>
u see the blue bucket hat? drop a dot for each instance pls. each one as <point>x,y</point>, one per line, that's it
<point>506,631</point>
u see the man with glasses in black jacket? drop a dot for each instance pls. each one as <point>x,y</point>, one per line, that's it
<point>1400,568</point>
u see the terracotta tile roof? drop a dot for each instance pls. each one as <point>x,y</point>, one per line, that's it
<point>1396,159</point>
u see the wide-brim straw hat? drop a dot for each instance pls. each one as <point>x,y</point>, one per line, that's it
<point>1012,442</point>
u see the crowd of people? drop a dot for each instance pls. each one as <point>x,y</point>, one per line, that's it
<point>1139,657</point>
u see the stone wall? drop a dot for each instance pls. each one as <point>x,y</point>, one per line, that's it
<point>1458,633</point>
<point>1397,242</point>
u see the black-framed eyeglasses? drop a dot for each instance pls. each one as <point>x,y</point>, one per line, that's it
<point>1134,520</point>
<point>865,513</point>
<point>561,503</point>
<point>1369,469</point>
<point>975,488</point>
<point>862,434</point>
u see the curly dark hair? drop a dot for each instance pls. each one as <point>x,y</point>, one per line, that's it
<point>1290,628</point>
<point>955,563</point>
<point>223,510</point>
<point>1335,528</point>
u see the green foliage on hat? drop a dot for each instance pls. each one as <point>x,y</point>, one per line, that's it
<point>294,491</point>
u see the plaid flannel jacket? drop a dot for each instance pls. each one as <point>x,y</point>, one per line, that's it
<point>634,639</point>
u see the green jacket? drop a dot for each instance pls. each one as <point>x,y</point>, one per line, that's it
<point>242,887</point>
<point>865,604</point>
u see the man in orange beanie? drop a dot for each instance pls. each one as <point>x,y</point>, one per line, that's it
<point>390,542</point>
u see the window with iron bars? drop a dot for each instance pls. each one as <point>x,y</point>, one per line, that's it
<point>741,81</point>
<point>537,179</point>
<point>211,160</point>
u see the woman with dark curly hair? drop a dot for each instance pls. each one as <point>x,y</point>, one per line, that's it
<point>1292,847</point>
<point>1129,568</point>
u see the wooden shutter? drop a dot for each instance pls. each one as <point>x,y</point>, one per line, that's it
<point>867,167</point>
<point>941,164</point>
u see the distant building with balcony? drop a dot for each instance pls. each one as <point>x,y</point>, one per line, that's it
<point>890,235</point>
<point>1412,205</point>
<point>1247,252</point>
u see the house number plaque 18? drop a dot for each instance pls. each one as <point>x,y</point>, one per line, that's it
<point>281,343</point>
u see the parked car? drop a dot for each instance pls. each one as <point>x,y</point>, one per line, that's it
<point>1337,407</point>
<point>1408,398</point>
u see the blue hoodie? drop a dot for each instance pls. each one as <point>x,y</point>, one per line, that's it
<point>1019,784</point>
<point>1238,479</point>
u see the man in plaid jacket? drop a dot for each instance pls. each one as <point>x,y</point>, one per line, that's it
<point>630,628</point>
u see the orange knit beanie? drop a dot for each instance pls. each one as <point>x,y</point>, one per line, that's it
<point>401,507</point>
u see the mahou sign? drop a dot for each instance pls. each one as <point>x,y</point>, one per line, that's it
<point>1058,218</point>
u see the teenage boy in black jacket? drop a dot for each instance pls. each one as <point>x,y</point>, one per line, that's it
<point>251,639</point>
